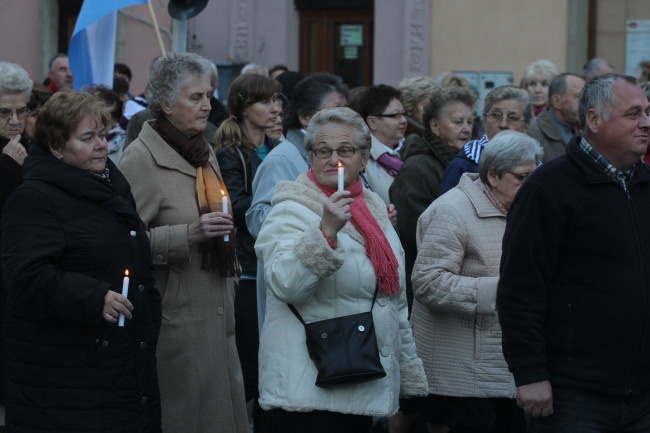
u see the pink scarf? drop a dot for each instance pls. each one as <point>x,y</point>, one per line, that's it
<point>378,249</point>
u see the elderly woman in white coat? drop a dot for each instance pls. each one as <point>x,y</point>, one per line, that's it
<point>178,191</point>
<point>326,251</point>
<point>455,277</point>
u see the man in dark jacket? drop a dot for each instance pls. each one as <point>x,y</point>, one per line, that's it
<point>574,293</point>
<point>558,123</point>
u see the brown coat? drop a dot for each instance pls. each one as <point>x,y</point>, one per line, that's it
<point>200,377</point>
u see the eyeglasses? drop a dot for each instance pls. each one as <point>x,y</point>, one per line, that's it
<point>520,177</point>
<point>396,116</point>
<point>342,152</point>
<point>7,114</point>
<point>497,116</point>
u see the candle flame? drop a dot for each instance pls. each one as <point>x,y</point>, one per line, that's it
<point>340,165</point>
<point>126,273</point>
<point>223,193</point>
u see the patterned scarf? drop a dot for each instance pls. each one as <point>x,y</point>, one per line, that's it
<point>390,163</point>
<point>378,249</point>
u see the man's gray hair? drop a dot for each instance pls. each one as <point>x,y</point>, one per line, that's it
<point>167,75</point>
<point>509,92</point>
<point>338,116</point>
<point>597,96</point>
<point>14,79</point>
<point>591,69</point>
<point>507,150</point>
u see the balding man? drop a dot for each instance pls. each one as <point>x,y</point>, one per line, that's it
<point>596,67</point>
<point>574,292</point>
<point>558,123</point>
<point>60,75</point>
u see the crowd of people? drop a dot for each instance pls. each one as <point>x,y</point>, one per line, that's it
<point>163,255</point>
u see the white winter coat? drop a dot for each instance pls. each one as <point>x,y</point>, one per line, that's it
<point>300,268</point>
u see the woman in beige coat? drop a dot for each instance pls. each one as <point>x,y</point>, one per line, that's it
<point>178,190</point>
<point>455,324</point>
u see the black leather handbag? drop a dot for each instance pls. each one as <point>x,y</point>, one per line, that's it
<point>344,349</point>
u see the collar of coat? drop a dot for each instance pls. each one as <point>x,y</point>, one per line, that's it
<point>165,156</point>
<point>304,192</point>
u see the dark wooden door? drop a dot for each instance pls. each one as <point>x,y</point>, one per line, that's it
<point>337,41</point>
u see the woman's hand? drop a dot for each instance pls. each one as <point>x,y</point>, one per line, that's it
<point>336,212</point>
<point>114,305</point>
<point>15,150</point>
<point>392,214</point>
<point>208,226</point>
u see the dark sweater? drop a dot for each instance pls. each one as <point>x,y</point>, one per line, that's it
<point>573,298</point>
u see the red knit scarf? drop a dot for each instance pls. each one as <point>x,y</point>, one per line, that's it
<point>378,249</point>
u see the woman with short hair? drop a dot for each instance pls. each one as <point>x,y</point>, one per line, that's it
<point>536,80</point>
<point>180,193</point>
<point>455,278</point>
<point>327,251</point>
<point>415,93</point>
<point>80,351</point>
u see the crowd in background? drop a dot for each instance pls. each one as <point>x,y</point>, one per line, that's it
<point>154,247</point>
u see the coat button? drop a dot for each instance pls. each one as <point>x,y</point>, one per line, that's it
<point>143,345</point>
<point>144,400</point>
<point>159,258</point>
<point>105,343</point>
<point>382,302</point>
<point>220,311</point>
<point>385,351</point>
<point>141,287</point>
<point>132,233</point>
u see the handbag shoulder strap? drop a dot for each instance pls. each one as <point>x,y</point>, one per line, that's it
<point>295,312</point>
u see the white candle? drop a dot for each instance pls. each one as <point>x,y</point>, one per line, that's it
<point>341,173</point>
<point>125,293</point>
<point>224,209</point>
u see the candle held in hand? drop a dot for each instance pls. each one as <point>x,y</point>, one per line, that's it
<point>125,293</point>
<point>341,174</point>
<point>224,209</point>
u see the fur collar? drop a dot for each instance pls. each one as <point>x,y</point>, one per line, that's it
<point>304,192</point>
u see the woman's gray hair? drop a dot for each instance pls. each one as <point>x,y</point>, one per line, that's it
<point>597,96</point>
<point>507,150</point>
<point>338,116</point>
<point>541,68</point>
<point>441,99</point>
<point>14,79</point>
<point>509,92</point>
<point>167,75</point>
<point>413,89</point>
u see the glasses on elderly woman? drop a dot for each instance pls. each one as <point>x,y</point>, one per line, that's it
<point>6,113</point>
<point>343,152</point>
<point>396,116</point>
<point>498,115</point>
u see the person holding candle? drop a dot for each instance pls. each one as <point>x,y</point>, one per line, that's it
<point>68,235</point>
<point>178,187</point>
<point>242,143</point>
<point>326,252</point>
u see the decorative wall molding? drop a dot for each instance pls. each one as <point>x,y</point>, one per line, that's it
<point>241,33</point>
<point>417,34</point>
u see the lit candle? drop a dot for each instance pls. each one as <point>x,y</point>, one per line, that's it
<point>125,293</point>
<point>341,173</point>
<point>224,209</point>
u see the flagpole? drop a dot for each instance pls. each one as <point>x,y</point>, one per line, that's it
<point>155,26</point>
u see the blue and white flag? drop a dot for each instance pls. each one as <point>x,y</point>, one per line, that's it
<point>92,48</point>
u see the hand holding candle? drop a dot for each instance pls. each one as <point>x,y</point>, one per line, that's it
<point>224,209</point>
<point>341,175</point>
<point>125,293</point>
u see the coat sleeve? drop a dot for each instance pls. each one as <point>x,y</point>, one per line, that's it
<point>531,248</point>
<point>443,239</point>
<point>412,191</point>
<point>11,176</point>
<point>295,254</point>
<point>272,170</point>
<point>33,241</point>
<point>169,243</point>
<point>232,173</point>
<point>454,172</point>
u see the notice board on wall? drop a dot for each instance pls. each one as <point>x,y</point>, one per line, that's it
<point>637,45</point>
